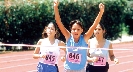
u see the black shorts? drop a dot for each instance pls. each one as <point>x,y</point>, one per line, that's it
<point>91,68</point>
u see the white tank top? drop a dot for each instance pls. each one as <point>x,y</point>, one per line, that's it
<point>49,50</point>
<point>98,52</point>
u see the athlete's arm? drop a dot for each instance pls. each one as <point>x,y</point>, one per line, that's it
<point>88,54</point>
<point>61,43</point>
<point>89,33</point>
<point>36,54</point>
<point>111,54</point>
<point>89,59</point>
<point>64,31</point>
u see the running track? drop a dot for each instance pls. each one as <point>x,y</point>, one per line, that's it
<point>23,61</point>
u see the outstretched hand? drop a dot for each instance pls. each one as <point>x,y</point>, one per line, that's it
<point>101,7</point>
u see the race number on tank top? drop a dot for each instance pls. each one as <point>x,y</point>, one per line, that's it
<point>101,61</point>
<point>98,52</point>
<point>50,58</point>
<point>74,57</point>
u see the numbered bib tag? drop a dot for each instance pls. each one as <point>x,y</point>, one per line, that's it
<point>101,62</point>
<point>50,58</point>
<point>74,57</point>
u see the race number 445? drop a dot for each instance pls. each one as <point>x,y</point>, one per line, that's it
<point>74,57</point>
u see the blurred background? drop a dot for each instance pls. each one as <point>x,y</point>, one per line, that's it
<point>22,21</point>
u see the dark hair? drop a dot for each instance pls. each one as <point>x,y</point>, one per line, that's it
<point>77,22</point>
<point>103,28</point>
<point>44,34</point>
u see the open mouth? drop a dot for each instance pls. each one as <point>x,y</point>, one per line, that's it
<point>75,34</point>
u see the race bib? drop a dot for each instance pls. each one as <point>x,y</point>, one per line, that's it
<point>74,57</point>
<point>101,62</point>
<point>50,58</point>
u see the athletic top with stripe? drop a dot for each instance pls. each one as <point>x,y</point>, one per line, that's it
<point>98,52</point>
<point>83,52</point>
<point>43,49</point>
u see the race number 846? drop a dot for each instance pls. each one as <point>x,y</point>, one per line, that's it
<point>74,57</point>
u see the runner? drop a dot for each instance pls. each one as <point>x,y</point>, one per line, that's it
<point>98,58</point>
<point>76,57</point>
<point>47,53</point>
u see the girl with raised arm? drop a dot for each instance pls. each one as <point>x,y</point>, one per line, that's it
<point>76,57</point>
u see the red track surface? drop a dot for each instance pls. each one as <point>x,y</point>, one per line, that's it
<point>23,61</point>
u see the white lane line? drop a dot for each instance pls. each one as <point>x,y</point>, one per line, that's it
<point>18,66</point>
<point>122,52</point>
<point>124,56</point>
<point>61,54</point>
<point>15,60</point>
<point>16,55</point>
<point>36,70</point>
<point>121,63</point>
<point>126,70</point>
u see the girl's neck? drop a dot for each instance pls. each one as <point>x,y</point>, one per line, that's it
<point>99,39</point>
<point>76,40</point>
<point>51,39</point>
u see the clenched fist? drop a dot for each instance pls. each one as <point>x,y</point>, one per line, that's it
<point>101,7</point>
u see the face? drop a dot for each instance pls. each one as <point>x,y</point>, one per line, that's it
<point>50,30</point>
<point>76,30</point>
<point>99,31</point>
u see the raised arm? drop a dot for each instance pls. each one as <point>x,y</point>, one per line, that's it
<point>64,31</point>
<point>89,33</point>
